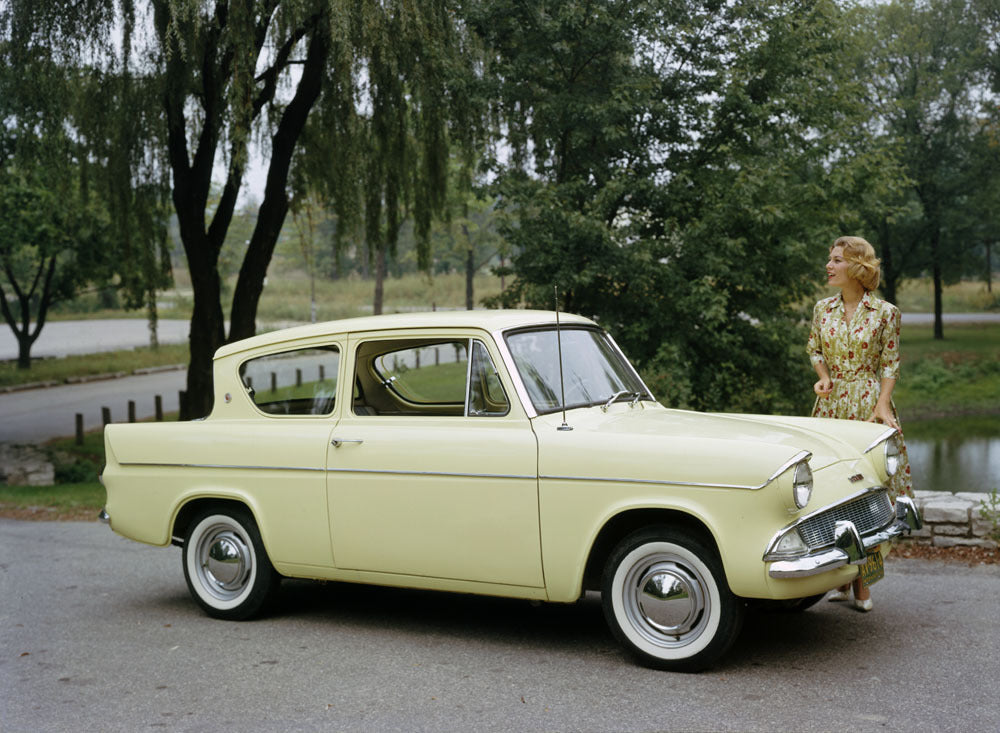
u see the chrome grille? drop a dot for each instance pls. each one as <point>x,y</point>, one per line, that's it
<point>869,513</point>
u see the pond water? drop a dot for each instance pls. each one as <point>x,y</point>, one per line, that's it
<point>954,454</point>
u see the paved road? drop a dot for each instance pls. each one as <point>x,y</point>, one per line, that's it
<point>35,415</point>
<point>61,338</point>
<point>98,633</point>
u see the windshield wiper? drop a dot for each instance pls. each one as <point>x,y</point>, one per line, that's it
<point>616,395</point>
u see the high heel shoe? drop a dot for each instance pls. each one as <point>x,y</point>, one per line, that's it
<point>864,605</point>
<point>837,596</point>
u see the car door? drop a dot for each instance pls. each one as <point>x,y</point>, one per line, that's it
<point>427,477</point>
<point>279,457</point>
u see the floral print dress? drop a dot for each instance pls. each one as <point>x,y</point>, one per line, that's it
<point>858,355</point>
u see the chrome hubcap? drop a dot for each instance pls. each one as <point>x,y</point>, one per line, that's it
<point>225,562</point>
<point>665,600</point>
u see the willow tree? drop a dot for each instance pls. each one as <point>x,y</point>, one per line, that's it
<point>378,150</point>
<point>225,75</point>
<point>61,229</point>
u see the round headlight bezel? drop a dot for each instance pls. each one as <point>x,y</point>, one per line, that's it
<point>802,484</point>
<point>893,454</point>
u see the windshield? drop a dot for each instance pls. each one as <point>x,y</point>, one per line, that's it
<point>593,371</point>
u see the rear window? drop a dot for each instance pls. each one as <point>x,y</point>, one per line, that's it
<point>297,382</point>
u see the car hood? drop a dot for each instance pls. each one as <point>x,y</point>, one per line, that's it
<point>649,442</point>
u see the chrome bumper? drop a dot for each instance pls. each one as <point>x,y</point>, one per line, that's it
<point>848,546</point>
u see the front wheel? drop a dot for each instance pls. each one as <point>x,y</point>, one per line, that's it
<point>226,567</point>
<point>666,599</point>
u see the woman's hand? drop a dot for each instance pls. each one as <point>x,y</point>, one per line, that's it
<point>883,414</point>
<point>823,387</point>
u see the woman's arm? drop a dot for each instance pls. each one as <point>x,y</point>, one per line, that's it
<point>824,386</point>
<point>883,408</point>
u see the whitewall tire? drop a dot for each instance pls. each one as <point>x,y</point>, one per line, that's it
<point>666,599</point>
<point>226,567</point>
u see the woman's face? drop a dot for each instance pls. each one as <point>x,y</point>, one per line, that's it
<point>836,268</point>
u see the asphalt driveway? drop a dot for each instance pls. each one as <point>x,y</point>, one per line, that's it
<point>98,633</point>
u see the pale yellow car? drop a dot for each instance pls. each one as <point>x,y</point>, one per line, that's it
<point>509,453</point>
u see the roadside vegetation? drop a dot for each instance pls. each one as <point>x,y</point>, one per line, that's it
<point>77,493</point>
<point>91,365</point>
<point>949,388</point>
<point>956,376</point>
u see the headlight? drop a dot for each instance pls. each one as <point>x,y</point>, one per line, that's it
<point>802,484</point>
<point>795,471</point>
<point>892,448</point>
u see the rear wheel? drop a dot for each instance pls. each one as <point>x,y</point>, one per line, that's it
<point>666,599</point>
<point>225,565</point>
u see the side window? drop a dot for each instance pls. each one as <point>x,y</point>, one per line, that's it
<point>299,382</point>
<point>432,378</point>
<point>486,395</point>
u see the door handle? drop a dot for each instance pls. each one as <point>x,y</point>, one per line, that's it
<point>337,442</point>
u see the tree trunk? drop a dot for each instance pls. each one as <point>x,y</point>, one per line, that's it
<point>271,215</point>
<point>379,280</point>
<point>24,343</point>
<point>470,270</point>
<point>207,334</point>
<point>890,278</point>
<point>470,274</point>
<point>989,268</point>
<point>938,281</point>
<point>25,336</point>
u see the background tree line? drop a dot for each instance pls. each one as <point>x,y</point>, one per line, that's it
<point>677,167</point>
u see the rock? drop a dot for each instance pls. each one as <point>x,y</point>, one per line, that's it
<point>25,465</point>
<point>947,509</point>
<point>982,527</point>
<point>963,542</point>
<point>953,530</point>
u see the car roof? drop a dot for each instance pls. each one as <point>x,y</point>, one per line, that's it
<point>489,320</point>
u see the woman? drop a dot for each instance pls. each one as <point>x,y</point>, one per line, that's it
<point>854,347</point>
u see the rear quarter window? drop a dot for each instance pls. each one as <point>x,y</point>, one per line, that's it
<point>295,382</point>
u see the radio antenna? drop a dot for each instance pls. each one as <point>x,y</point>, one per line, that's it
<point>562,384</point>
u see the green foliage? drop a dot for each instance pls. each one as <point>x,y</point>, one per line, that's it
<point>989,509</point>
<point>927,71</point>
<point>80,206</point>
<point>670,174</point>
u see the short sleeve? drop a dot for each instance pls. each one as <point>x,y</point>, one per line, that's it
<point>889,353</point>
<point>815,344</point>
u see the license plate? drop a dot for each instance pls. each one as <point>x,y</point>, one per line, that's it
<point>873,570</point>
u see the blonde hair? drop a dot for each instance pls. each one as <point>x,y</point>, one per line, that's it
<point>863,264</point>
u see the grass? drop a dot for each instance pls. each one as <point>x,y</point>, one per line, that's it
<point>78,493</point>
<point>62,501</point>
<point>965,296</point>
<point>109,362</point>
<point>959,375</point>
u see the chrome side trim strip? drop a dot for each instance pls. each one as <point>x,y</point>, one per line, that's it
<point>655,482</point>
<point>219,465</point>
<point>336,470</point>
<point>880,439</point>
<point>797,458</point>
<point>445,474</point>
